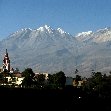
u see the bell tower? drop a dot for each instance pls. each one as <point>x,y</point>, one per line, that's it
<point>6,62</point>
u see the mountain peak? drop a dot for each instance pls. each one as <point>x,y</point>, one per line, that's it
<point>103,30</point>
<point>21,31</point>
<point>84,33</point>
<point>45,28</point>
<point>24,29</point>
<point>60,30</point>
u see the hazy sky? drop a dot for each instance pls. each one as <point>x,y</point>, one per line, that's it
<point>73,16</point>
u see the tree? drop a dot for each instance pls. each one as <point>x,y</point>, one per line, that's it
<point>50,79</point>
<point>78,78</point>
<point>60,79</point>
<point>29,75</point>
<point>28,72</point>
<point>16,70</point>
<point>57,80</point>
<point>96,83</point>
<point>39,80</point>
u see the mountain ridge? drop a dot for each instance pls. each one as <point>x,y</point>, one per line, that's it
<point>51,50</point>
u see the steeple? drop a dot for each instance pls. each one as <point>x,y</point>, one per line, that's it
<point>6,62</point>
<point>6,51</point>
<point>6,54</point>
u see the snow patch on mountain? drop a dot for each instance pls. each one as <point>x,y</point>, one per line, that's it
<point>100,36</point>
<point>45,28</point>
<point>60,30</point>
<point>84,33</point>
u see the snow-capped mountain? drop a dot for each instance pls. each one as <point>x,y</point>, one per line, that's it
<point>97,49</point>
<point>44,49</point>
<point>100,36</point>
<point>51,50</point>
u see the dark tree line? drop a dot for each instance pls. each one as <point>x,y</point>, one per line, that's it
<point>99,84</point>
<point>32,80</point>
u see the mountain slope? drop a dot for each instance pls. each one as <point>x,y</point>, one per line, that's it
<point>43,49</point>
<point>98,50</point>
<point>51,50</point>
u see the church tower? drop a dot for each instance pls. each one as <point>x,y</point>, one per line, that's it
<point>6,62</point>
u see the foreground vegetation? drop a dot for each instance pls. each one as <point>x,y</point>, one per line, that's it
<point>54,95</point>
